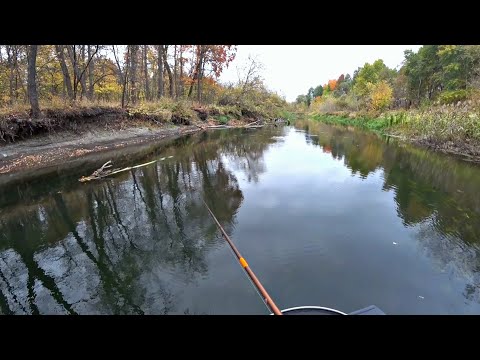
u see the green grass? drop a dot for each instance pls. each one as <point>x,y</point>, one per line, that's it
<point>441,123</point>
<point>378,124</point>
<point>222,119</point>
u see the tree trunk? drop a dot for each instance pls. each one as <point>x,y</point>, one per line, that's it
<point>133,73</point>
<point>197,69</point>
<point>200,74</point>
<point>419,87</point>
<point>160,71</point>
<point>32,86</point>
<point>91,68</point>
<point>66,76</point>
<point>181,71</point>
<point>15,66</point>
<point>83,78</point>
<point>125,76</point>
<point>11,72</point>
<point>175,70</point>
<point>145,69</point>
<point>72,53</point>
<point>169,72</point>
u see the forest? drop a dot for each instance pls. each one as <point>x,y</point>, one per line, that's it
<point>433,96</point>
<point>166,83</point>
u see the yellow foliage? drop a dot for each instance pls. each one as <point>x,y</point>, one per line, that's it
<point>381,95</point>
<point>316,102</point>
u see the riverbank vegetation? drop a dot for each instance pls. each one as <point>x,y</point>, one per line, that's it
<point>433,98</point>
<point>47,88</point>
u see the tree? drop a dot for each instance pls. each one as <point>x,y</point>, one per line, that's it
<point>249,77</point>
<point>31,85</point>
<point>332,84</point>
<point>310,96</point>
<point>344,85</point>
<point>301,99</point>
<point>160,71</point>
<point>318,91</point>
<point>145,72</point>
<point>67,82</point>
<point>366,77</point>
<point>423,70</point>
<point>381,95</point>
<point>210,58</point>
<point>91,73</point>
<point>169,71</point>
<point>133,73</point>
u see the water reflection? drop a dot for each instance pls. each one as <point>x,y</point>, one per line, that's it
<point>126,245</point>
<point>315,209</point>
<point>435,194</point>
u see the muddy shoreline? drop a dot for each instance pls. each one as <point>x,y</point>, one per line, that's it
<point>45,151</point>
<point>466,151</point>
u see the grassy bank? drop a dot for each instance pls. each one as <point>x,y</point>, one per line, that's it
<point>374,124</point>
<point>450,129</point>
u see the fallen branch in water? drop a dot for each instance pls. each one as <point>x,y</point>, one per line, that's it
<point>233,127</point>
<point>101,172</point>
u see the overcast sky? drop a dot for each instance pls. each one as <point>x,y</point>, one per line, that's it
<point>292,69</point>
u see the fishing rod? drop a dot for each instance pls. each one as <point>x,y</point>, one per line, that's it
<point>268,300</point>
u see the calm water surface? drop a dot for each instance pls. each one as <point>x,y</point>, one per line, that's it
<point>324,215</point>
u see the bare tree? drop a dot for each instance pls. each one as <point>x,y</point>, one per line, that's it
<point>125,76</point>
<point>201,68</point>
<point>249,76</point>
<point>133,73</point>
<point>160,71</point>
<point>31,79</point>
<point>169,72</point>
<point>78,68</point>
<point>145,69</point>
<point>175,70</point>
<point>11,70</point>
<point>122,70</point>
<point>181,70</point>
<point>83,79</point>
<point>91,69</point>
<point>63,65</point>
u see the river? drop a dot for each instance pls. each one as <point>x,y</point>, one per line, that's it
<point>324,215</point>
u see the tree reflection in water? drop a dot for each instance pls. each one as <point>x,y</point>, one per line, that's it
<point>433,193</point>
<point>125,245</point>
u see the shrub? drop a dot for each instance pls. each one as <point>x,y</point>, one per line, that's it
<point>449,97</point>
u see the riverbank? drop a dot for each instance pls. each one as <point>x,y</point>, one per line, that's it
<point>49,150</point>
<point>451,130</point>
<point>65,133</point>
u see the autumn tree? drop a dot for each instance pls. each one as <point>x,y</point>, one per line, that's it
<point>371,74</point>
<point>380,95</point>
<point>332,84</point>
<point>211,59</point>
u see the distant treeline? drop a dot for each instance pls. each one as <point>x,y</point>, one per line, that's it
<point>436,74</point>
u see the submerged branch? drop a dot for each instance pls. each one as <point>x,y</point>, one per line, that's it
<point>101,172</point>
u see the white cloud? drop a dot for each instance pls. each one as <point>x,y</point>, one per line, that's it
<point>292,69</point>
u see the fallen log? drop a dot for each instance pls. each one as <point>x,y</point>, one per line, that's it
<point>101,172</point>
<point>233,127</point>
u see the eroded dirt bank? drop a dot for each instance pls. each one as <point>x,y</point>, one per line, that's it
<point>62,147</point>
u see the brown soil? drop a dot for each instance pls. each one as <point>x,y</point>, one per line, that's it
<point>63,135</point>
<point>49,149</point>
